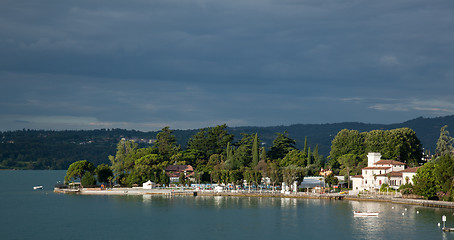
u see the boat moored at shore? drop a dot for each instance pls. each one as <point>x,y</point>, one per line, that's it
<point>365,214</point>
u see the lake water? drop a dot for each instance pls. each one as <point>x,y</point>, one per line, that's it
<point>42,214</point>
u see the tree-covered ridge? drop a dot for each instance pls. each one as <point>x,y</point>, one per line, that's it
<point>41,149</point>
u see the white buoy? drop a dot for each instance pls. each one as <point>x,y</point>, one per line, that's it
<point>439,224</point>
<point>405,209</point>
<point>417,212</point>
<point>392,207</point>
<point>403,214</point>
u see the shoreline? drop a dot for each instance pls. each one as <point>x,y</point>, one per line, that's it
<point>327,196</point>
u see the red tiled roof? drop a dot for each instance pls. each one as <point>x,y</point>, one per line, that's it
<point>392,174</point>
<point>389,162</point>
<point>377,168</point>
<point>357,176</point>
<point>177,174</point>
<point>179,168</point>
<point>176,170</point>
<point>413,170</point>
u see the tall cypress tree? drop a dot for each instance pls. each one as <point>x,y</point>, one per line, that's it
<point>309,160</point>
<point>444,143</point>
<point>255,151</point>
<point>263,154</point>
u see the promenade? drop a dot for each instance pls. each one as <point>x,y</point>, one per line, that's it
<point>391,198</point>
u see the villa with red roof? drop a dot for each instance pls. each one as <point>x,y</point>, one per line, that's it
<point>174,172</point>
<point>379,172</point>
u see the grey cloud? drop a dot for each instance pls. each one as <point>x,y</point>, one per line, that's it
<point>245,62</point>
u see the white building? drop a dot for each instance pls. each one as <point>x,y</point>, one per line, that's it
<point>148,185</point>
<point>379,172</point>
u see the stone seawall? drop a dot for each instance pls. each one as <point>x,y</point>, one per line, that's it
<point>189,192</point>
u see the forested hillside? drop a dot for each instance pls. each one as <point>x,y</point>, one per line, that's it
<point>40,149</point>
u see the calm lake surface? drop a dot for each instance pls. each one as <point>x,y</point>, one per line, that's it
<point>42,214</point>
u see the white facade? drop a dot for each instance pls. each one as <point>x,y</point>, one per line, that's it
<point>379,172</point>
<point>148,185</point>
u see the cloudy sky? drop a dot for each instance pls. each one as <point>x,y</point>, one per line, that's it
<point>142,64</point>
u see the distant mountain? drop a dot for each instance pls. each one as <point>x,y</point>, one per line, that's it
<point>39,149</point>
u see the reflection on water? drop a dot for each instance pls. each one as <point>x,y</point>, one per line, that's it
<point>288,202</point>
<point>47,215</point>
<point>146,198</point>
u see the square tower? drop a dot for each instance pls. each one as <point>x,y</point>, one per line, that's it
<point>372,158</point>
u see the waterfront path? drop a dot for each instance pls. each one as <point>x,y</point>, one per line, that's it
<point>245,193</point>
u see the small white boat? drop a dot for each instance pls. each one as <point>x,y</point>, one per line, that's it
<point>365,214</point>
<point>37,187</point>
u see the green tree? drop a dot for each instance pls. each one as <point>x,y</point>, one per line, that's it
<point>123,162</point>
<point>346,142</point>
<point>164,179</point>
<point>293,173</point>
<point>274,173</point>
<point>444,143</point>
<point>146,168</point>
<point>243,154</point>
<point>376,141</point>
<point>229,161</point>
<point>444,175</point>
<point>282,145</point>
<point>103,172</point>
<point>351,164</point>
<point>252,177</point>
<point>166,143</point>
<point>263,154</point>
<point>211,140</point>
<point>78,169</point>
<point>331,180</point>
<point>400,144</point>
<point>306,148</point>
<point>317,157</point>
<point>255,151</point>
<point>405,146</point>
<point>294,157</point>
<point>236,176</point>
<point>425,182</point>
<point>88,180</point>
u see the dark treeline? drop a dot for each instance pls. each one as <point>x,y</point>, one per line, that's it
<point>42,149</point>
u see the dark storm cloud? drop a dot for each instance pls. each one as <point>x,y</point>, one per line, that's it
<point>190,64</point>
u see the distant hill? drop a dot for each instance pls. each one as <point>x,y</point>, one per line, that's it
<point>40,149</point>
<point>427,130</point>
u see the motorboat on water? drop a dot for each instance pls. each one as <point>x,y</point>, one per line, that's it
<point>365,214</point>
<point>37,187</point>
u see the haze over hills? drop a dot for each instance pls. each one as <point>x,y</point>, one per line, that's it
<point>42,149</point>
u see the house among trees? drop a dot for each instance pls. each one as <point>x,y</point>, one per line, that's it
<point>325,172</point>
<point>175,171</point>
<point>380,172</point>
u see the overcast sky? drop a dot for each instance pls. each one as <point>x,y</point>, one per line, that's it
<point>187,64</point>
